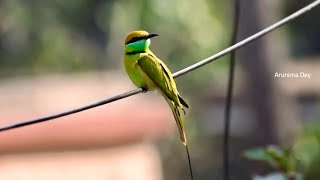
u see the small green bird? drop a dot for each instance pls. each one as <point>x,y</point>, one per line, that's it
<point>150,73</point>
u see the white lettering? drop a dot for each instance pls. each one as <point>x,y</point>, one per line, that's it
<point>292,75</point>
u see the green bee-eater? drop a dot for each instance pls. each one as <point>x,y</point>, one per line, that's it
<point>150,73</point>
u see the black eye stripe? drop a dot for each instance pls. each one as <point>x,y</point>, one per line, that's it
<point>134,39</point>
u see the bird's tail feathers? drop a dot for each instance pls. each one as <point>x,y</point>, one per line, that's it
<point>178,119</point>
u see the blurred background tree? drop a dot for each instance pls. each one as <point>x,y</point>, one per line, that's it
<point>39,37</point>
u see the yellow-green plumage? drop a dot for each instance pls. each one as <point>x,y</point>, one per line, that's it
<point>147,71</point>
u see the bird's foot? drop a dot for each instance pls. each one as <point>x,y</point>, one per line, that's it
<point>144,90</point>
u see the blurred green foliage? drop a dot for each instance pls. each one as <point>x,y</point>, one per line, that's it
<point>303,158</point>
<point>40,37</point>
<point>275,156</point>
<point>44,37</point>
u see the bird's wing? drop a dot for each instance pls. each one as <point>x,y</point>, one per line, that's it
<point>159,74</point>
<point>157,71</point>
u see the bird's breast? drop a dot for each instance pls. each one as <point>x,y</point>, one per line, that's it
<point>136,74</point>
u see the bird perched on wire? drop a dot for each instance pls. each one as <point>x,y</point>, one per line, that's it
<point>148,72</point>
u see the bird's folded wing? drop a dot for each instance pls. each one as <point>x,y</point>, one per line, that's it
<point>159,74</point>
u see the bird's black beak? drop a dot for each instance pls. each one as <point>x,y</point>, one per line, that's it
<point>151,35</point>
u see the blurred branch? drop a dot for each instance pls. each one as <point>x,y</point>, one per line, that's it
<point>177,74</point>
<point>227,112</point>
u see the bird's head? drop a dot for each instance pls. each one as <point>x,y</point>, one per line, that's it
<point>138,41</point>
